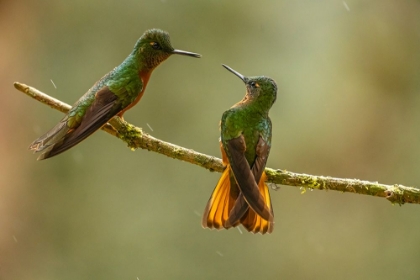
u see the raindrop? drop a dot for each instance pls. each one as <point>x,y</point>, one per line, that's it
<point>53,83</point>
<point>346,6</point>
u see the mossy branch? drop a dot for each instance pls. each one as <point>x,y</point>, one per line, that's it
<point>136,138</point>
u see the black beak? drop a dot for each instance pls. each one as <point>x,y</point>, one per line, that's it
<point>242,77</point>
<point>186,53</point>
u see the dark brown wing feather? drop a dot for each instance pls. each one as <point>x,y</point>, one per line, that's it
<point>241,207</point>
<point>262,152</point>
<point>250,220</point>
<point>103,108</point>
<point>238,211</point>
<point>236,152</point>
<point>255,223</point>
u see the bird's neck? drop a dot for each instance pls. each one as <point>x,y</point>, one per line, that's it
<point>251,106</point>
<point>143,69</point>
<point>144,75</point>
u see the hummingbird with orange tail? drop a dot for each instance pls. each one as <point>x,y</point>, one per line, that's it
<point>241,196</point>
<point>112,95</point>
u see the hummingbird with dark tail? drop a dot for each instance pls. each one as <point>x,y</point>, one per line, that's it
<point>112,95</point>
<point>241,196</point>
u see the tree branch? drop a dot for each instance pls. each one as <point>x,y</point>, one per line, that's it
<point>135,138</point>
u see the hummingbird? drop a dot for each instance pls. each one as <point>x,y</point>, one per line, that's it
<point>241,196</point>
<point>112,95</point>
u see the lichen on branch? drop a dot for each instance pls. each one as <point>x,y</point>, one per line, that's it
<point>135,138</point>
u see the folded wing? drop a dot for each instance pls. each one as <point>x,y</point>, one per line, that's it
<point>66,134</point>
<point>245,178</point>
<point>241,211</point>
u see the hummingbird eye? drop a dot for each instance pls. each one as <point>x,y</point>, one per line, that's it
<point>254,84</point>
<point>155,46</point>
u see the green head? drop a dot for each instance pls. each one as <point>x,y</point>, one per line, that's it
<point>260,90</point>
<point>154,46</point>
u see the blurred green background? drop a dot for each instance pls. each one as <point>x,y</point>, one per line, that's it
<point>348,106</point>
